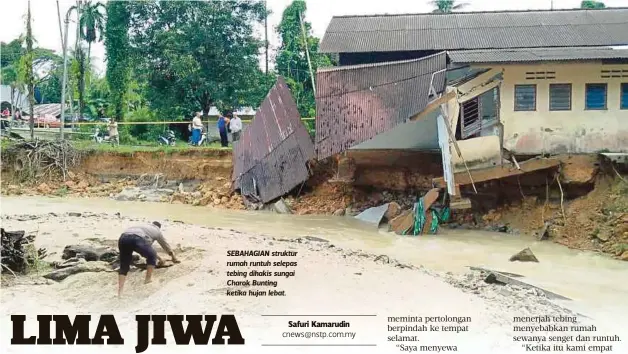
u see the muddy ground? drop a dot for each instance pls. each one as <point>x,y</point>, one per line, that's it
<point>593,214</point>
<point>327,279</point>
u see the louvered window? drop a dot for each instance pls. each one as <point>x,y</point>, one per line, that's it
<point>624,96</point>
<point>525,97</point>
<point>560,97</point>
<point>595,96</point>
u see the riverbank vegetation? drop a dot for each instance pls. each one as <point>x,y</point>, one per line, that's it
<point>166,60</point>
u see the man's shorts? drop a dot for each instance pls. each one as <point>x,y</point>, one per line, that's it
<point>129,243</point>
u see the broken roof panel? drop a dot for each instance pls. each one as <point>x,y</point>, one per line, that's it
<point>476,30</point>
<point>536,54</point>
<point>270,159</point>
<point>356,103</point>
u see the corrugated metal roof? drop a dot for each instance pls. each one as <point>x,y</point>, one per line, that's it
<point>270,159</point>
<point>536,54</point>
<point>355,103</point>
<point>476,30</point>
<point>53,109</point>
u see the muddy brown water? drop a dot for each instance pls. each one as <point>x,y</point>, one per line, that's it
<point>591,280</point>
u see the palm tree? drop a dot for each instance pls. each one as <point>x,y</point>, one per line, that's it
<point>447,6</point>
<point>92,23</point>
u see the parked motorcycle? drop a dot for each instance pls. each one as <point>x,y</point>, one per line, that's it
<point>100,137</point>
<point>168,139</point>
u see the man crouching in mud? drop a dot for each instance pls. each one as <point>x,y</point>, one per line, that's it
<point>140,239</point>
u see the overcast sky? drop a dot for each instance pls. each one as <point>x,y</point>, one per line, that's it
<point>319,13</point>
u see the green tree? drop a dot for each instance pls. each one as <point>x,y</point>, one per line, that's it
<point>291,61</point>
<point>11,52</point>
<point>591,4</point>
<point>27,66</point>
<point>79,67</point>
<point>117,53</point>
<point>447,6</point>
<point>45,67</point>
<point>196,54</point>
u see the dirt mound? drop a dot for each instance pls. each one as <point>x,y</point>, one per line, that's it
<point>597,221</point>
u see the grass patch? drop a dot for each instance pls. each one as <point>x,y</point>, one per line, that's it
<point>34,264</point>
<point>62,192</point>
<point>91,146</point>
<point>619,197</point>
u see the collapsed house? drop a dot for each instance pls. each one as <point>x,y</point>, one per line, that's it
<point>271,157</point>
<point>477,90</point>
<point>517,83</point>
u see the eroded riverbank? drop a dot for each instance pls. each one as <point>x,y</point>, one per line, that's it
<point>339,260</point>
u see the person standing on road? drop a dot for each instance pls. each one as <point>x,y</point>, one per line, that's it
<point>222,130</point>
<point>197,128</point>
<point>236,127</point>
<point>114,138</point>
<point>140,239</point>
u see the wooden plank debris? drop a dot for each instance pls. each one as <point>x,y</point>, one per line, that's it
<point>498,172</point>
<point>460,204</point>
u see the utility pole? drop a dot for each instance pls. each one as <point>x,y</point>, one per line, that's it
<point>65,71</point>
<point>65,74</point>
<point>266,32</point>
<point>307,53</point>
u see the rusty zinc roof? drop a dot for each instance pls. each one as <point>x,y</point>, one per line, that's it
<point>355,103</point>
<point>271,157</point>
<point>53,109</point>
<point>476,30</point>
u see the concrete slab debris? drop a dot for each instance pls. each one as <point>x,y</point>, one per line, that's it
<point>281,208</point>
<point>373,215</point>
<point>496,271</point>
<point>524,255</point>
<point>499,278</point>
<point>617,157</point>
<point>543,233</point>
<point>498,172</point>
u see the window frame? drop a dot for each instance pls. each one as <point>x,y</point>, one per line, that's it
<point>586,86</point>
<point>623,90</point>
<point>550,97</point>
<point>515,98</point>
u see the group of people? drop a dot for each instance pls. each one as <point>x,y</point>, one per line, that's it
<point>225,124</point>
<point>6,113</point>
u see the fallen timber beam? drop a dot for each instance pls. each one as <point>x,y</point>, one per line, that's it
<point>498,172</point>
<point>432,106</point>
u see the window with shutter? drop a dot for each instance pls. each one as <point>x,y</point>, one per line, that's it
<point>560,97</point>
<point>525,97</point>
<point>595,96</point>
